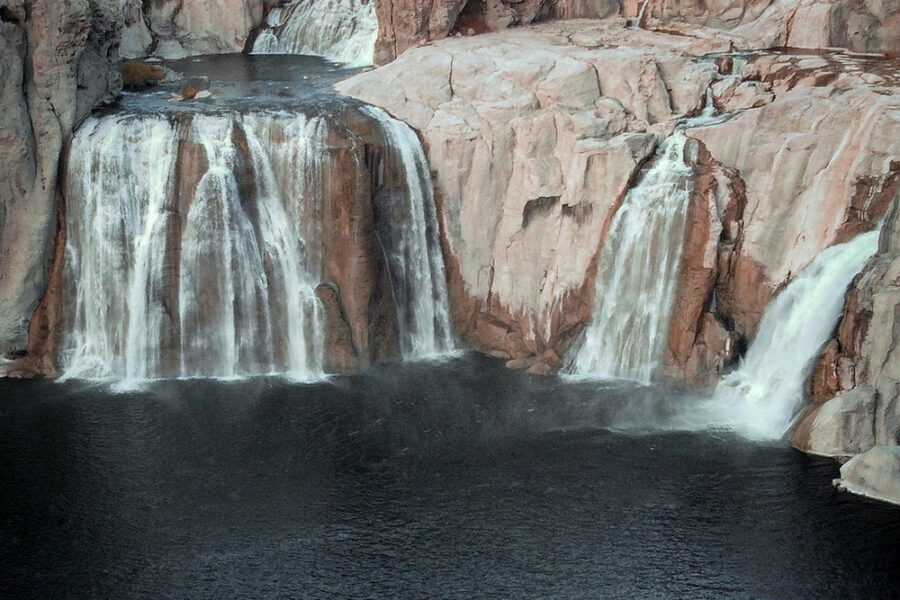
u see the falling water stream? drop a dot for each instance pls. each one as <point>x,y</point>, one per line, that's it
<point>761,398</point>
<point>631,311</point>
<point>180,266</point>
<point>340,30</point>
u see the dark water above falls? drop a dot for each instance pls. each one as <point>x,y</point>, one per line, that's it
<point>459,480</point>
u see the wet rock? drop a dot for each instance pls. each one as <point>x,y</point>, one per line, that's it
<point>195,86</point>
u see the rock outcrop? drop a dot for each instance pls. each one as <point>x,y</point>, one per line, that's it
<point>179,28</point>
<point>533,152</point>
<point>59,60</point>
<point>874,474</point>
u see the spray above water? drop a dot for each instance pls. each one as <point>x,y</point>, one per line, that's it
<point>340,30</point>
<point>761,398</point>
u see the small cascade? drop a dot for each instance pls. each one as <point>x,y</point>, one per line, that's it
<point>412,241</point>
<point>185,253</point>
<point>640,17</point>
<point>340,30</point>
<point>760,399</point>
<point>637,274</point>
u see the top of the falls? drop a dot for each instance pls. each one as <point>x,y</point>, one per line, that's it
<point>242,83</point>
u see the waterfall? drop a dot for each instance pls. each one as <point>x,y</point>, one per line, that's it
<point>412,242</point>
<point>761,398</point>
<point>637,274</point>
<point>184,251</point>
<point>340,30</point>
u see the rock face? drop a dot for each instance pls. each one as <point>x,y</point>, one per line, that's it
<point>59,60</point>
<point>529,176</point>
<point>403,24</point>
<point>875,474</point>
<point>860,25</point>
<point>178,28</point>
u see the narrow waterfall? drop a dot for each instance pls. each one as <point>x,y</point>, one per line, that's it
<point>637,274</point>
<point>185,254</point>
<point>761,398</point>
<point>410,236</point>
<point>340,30</point>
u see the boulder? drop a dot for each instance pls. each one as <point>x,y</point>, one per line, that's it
<point>874,474</point>
<point>841,427</point>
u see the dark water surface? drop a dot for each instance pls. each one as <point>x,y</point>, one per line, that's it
<point>459,480</point>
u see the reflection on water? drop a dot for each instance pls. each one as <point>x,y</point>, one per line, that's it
<point>453,480</point>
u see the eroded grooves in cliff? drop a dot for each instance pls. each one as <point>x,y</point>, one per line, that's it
<point>340,30</point>
<point>408,230</point>
<point>186,251</point>
<point>761,398</point>
<point>637,273</point>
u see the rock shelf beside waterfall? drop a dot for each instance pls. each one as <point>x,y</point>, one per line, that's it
<point>556,121</point>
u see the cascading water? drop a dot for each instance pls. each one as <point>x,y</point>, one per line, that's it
<point>637,273</point>
<point>185,249</point>
<point>415,261</point>
<point>340,30</point>
<point>761,398</point>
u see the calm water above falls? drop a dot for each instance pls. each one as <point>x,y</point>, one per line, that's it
<point>457,480</point>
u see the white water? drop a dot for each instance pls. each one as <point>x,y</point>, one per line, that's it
<point>191,279</point>
<point>340,30</point>
<point>761,398</point>
<point>418,279</point>
<point>637,273</point>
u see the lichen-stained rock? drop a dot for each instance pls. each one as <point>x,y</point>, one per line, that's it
<point>59,60</point>
<point>178,28</point>
<point>532,153</point>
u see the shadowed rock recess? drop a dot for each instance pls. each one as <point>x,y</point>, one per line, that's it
<point>542,125</point>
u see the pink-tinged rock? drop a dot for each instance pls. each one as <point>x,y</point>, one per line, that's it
<point>818,164</point>
<point>532,152</point>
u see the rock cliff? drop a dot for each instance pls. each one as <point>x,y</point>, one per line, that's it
<point>59,60</point>
<point>533,152</point>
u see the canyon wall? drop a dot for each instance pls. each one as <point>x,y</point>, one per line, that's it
<point>59,60</point>
<point>533,151</point>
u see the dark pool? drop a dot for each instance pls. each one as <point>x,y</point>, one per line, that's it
<point>455,480</point>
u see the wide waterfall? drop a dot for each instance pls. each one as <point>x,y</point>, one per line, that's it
<point>637,273</point>
<point>340,30</point>
<point>195,244</point>
<point>760,399</point>
<point>185,248</point>
<point>418,280</point>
